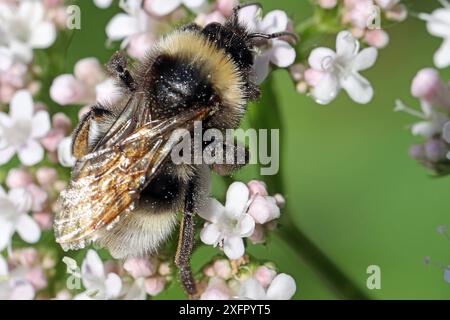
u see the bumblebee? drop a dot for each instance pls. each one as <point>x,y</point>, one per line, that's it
<point>125,192</point>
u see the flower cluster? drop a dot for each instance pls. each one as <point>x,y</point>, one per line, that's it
<point>434,96</point>
<point>134,280</point>
<point>242,279</point>
<point>248,212</point>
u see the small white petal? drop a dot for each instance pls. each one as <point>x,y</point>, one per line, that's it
<point>31,153</point>
<point>425,129</point>
<point>282,54</point>
<point>164,7</point>
<point>439,23</point>
<point>252,289</point>
<point>326,90</point>
<point>282,287</point>
<point>212,210</point>
<point>358,88</point>
<point>274,21</point>
<point>320,58</point>
<point>6,232</point>
<point>193,4</point>
<point>122,26</point>
<point>21,51</point>
<point>248,17</point>
<point>113,285</point>
<point>92,270</point>
<point>43,35</point>
<point>442,55</point>
<point>233,247</point>
<point>210,234</point>
<point>22,105</point>
<point>6,154</point>
<point>28,229</point>
<point>22,290</point>
<point>3,266</point>
<point>65,156</point>
<point>40,124</point>
<point>237,198</point>
<point>247,226</point>
<point>103,4</point>
<point>6,59</point>
<point>365,59</point>
<point>346,45</point>
<point>21,198</point>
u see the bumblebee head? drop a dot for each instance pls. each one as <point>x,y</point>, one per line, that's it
<point>237,41</point>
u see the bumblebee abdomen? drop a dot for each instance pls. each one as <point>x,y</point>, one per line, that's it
<point>178,83</point>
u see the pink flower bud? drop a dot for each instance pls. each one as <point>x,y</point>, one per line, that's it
<point>264,275</point>
<point>257,188</point>
<point>53,3</point>
<point>139,267</point>
<point>428,86</point>
<point>313,76</point>
<point>44,220</point>
<point>62,122</point>
<point>280,200</point>
<point>18,178</point>
<point>154,285</point>
<point>140,44</point>
<point>259,235</point>
<point>209,271</point>
<point>27,257</point>
<point>222,268</point>
<point>67,90</point>
<point>205,19</point>
<point>164,269</point>
<point>37,278</point>
<point>226,6</point>
<point>377,38</point>
<point>46,176</point>
<point>89,71</point>
<point>217,290</point>
<point>397,13</point>
<point>52,140</point>
<point>39,197</point>
<point>264,209</point>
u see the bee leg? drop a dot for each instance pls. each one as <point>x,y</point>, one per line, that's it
<point>186,242</point>
<point>237,153</point>
<point>117,68</point>
<point>191,27</point>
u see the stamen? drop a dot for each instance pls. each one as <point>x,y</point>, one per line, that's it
<point>400,106</point>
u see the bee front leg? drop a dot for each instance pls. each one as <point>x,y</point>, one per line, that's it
<point>186,242</point>
<point>117,68</point>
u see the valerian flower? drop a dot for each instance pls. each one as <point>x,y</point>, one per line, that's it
<point>438,24</point>
<point>21,130</point>
<point>227,225</point>
<point>135,28</point>
<point>99,286</point>
<point>14,286</point>
<point>282,287</point>
<point>164,7</point>
<point>24,27</point>
<point>276,51</point>
<point>14,207</point>
<point>340,70</point>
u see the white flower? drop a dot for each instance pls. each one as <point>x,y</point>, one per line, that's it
<point>433,121</point>
<point>164,7</point>
<point>438,24</point>
<point>21,130</point>
<point>13,217</point>
<point>98,285</point>
<point>103,4</point>
<point>276,51</point>
<point>24,27</point>
<point>340,69</point>
<point>135,22</point>
<point>227,225</point>
<point>65,156</point>
<point>282,287</point>
<point>13,286</point>
<point>6,58</point>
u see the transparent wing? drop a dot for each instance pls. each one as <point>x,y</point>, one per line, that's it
<point>107,182</point>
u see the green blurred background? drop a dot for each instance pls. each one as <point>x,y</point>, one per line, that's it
<point>349,182</point>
